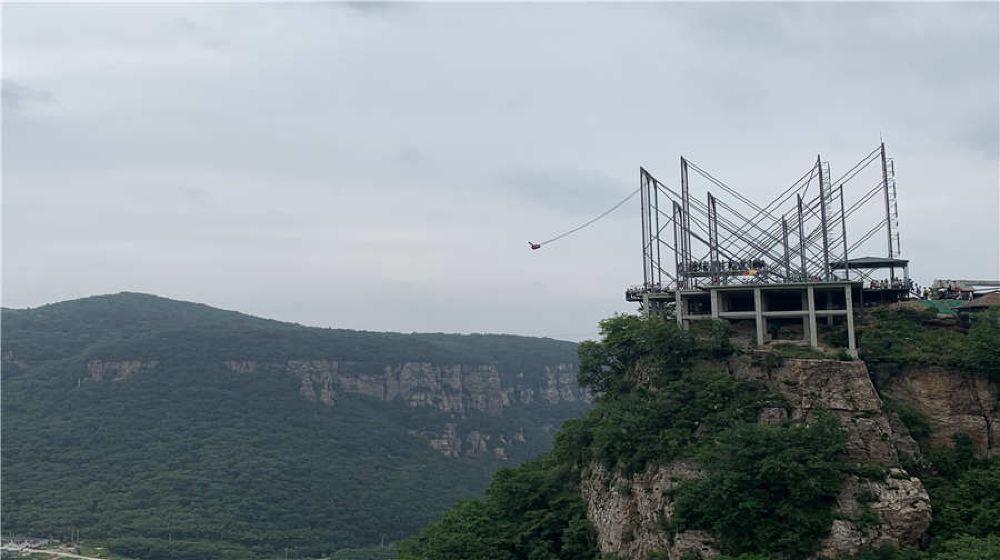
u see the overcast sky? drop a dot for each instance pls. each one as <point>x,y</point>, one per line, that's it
<point>383,166</point>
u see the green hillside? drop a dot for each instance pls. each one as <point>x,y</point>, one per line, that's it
<point>188,459</point>
<point>768,490</point>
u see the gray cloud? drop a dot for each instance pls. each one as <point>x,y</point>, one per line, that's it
<point>376,7</point>
<point>381,166</point>
<point>571,191</point>
<point>18,96</point>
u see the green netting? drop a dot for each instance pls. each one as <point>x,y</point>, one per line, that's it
<point>943,306</point>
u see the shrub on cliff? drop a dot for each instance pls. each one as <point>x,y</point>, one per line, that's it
<point>894,338</point>
<point>533,511</point>
<point>983,344</point>
<point>631,429</point>
<point>630,347</point>
<point>965,492</point>
<point>654,402</point>
<point>768,489</point>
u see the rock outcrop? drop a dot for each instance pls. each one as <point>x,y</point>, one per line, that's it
<point>457,390</point>
<point>7,359</point>
<point>630,513</point>
<point>954,402</point>
<point>117,370</point>
<point>454,388</point>
<point>841,389</point>
<point>316,379</point>
<point>894,511</point>
<point>452,443</point>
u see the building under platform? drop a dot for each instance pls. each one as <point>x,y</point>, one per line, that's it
<point>775,312</point>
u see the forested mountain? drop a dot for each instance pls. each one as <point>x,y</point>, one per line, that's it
<point>169,429</point>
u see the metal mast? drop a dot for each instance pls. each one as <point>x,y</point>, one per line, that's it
<point>822,216</point>
<point>685,218</point>
<point>888,212</point>
<point>843,233</point>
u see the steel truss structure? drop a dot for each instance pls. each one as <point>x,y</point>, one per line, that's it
<point>727,239</point>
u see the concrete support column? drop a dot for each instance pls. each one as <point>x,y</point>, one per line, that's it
<point>852,345</point>
<point>758,308</point>
<point>811,299</point>
<point>714,296</point>
<point>645,304</point>
<point>805,318</point>
<point>679,308</point>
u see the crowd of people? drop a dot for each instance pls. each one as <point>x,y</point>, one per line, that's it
<point>895,284</point>
<point>948,292</point>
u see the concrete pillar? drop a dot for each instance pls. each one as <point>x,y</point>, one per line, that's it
<point>714,296</point>
<point>805,319</point>
<point>679,308</point>
<point>645,304</point>
<point>811,299</point>
<point>758,307</point>
<point>852,345</point>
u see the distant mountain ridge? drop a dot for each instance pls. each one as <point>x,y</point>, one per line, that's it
<point>96,386</point>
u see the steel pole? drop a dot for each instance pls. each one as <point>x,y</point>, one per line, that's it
<point>888,212</point>
<point>822,217</point>
<point>802,239</point>
<point>843,231</point>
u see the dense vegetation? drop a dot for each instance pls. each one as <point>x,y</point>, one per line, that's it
<point>964,490</point>
<point>768,489</point>
<point>896,337</point>
<point>965,493</point>
<point>139,327</point>
<point>533,511</point>
<point>189,460</point>
<point>250,469</point>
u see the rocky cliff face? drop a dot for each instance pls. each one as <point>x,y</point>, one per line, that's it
<point>101,370</point>
<point>954,402</point>
<point>842,389</point>
<point>453,443</point>
<point>901,509</point>
<point>630,513</point>
<point>454,389</point>
<point>457,390</point>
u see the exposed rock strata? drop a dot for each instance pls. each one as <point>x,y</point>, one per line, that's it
<point>7,358</point>
<point>953,402</point>
<point>117,370</point>
<point>899,502</point>
<point>241,366</point>
<point>316,379</point>
<point>452,443</point>
<point>842,389</point>
<point>454,388</point>
<point>629,513</point>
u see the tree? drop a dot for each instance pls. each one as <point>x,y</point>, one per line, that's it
<point>768,489</point>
